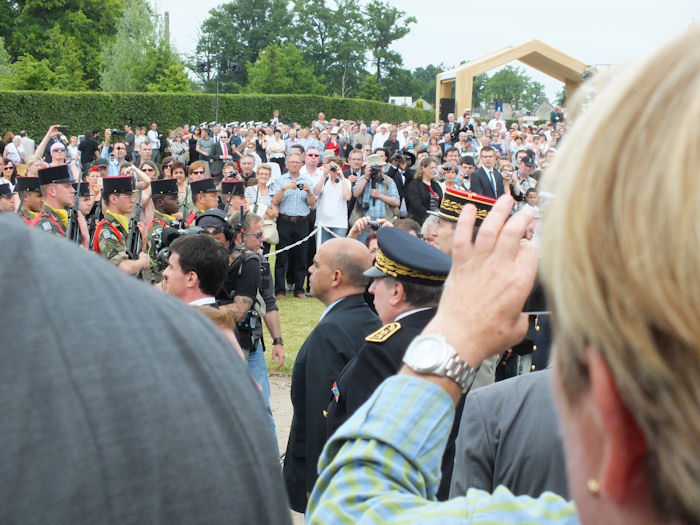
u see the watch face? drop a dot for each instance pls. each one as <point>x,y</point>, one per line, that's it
<point>426,354</point>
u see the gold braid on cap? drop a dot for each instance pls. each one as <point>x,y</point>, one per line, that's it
<point>395,269</point>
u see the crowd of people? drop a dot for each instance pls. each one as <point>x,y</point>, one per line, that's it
<point>430,389</point>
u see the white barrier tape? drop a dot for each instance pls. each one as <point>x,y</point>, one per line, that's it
<point>294,245</point>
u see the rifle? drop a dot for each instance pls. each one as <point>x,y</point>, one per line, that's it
<point>72,228</point>
<point>185,211</point>
<point>228,204</point>
<point>133,242</point>
<point>94,219</point>
<point>21,201</point>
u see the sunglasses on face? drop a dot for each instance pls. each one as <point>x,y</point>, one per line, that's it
<point>147,169</point>
<point>258,236</point>
<point>167,166</point>
<point>197,172</point>
<point>8,168</point>
<point>312,155</point>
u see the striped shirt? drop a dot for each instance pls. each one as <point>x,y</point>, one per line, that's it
<point>383,466</point>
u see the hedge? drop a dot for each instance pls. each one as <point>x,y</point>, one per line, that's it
<point>36,111</point>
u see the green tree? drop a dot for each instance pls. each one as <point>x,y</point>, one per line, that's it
<point>140,59</point>
<point>478,86</point>
<point>327,33</point>
<point>61,71</point>
<point>425,81</point>
<point>369,89</point>
<point>384,25</point>
<point>236,33</point>
<point>533,95</point>
<point>281,69</point>
<point>5,70</point>
<point>506,84</point>
<point>561,97</point>
<point>89,25</point>
<point>30,73</point>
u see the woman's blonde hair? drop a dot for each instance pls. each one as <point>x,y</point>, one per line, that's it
<point>621,256</point>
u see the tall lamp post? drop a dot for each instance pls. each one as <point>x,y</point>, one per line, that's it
<point>228,67</point>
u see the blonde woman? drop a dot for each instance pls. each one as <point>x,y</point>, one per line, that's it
<point>620,270</point>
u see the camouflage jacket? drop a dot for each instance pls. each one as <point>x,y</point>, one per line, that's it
<point>48,220</point>
<point>27,215</point>
<point>110,239</point>
<point>159,222</point>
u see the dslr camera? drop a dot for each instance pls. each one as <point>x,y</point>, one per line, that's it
<point>300,186</point>
<point>116,132</point>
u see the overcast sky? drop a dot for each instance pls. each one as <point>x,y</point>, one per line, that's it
<point>597,32</point>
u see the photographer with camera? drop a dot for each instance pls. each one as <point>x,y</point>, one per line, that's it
<point>247,291</point>
<point>89,149</point>
<point>116,155</point>
<point>376,193</point>
<point>294,195</point>
<point>400,169</point>
<point>332,193</point>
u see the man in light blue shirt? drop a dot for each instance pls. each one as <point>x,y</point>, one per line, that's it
<point>293,193</point>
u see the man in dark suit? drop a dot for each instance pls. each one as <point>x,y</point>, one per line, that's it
<point>487,180</point>
<point>337,280</point>
<point>400,168</point>
<point>222,152</point>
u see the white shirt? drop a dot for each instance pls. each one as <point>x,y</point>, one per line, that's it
<point>331,206</point>
<point>203,301</point>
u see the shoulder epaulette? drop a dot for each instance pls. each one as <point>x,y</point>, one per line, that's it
<point>384,333</point>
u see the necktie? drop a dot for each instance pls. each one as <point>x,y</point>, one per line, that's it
<point>223,146</point>
<point>493,182</point>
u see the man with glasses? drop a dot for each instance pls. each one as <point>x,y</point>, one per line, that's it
<point>112,232</point>
<point>223,151</point>
<point>294,196</point>
<point>118,157</point>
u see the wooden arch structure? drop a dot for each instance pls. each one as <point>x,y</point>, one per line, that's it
<point>534,53</point>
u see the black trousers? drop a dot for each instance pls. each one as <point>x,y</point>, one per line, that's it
<point>291,232</point>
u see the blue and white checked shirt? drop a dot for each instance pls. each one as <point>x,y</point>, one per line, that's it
<point>294,202</point>
<point>383,466</point>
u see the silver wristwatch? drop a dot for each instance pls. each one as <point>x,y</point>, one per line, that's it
<point>432,354</point>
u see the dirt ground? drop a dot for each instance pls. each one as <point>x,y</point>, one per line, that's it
<point>281,405</point>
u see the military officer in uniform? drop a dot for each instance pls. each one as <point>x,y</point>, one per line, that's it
<point>29,190</point>
<point>204,196</point>
<point>166,203</point>
<point>7,199</point>
<point>408,277</point>
<point>57,192</point>
<point>112,232</point>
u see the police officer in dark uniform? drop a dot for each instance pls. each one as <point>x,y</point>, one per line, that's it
<point>408,277</point>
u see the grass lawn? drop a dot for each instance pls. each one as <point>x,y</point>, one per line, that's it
<point>298,317</point>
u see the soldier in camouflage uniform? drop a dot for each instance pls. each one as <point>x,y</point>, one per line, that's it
<point>7,198</point>
<point>165,200</point>
<point>57,192</point>
<point>29,189</point>
<point>205,197</point>
<point>112,232</point>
